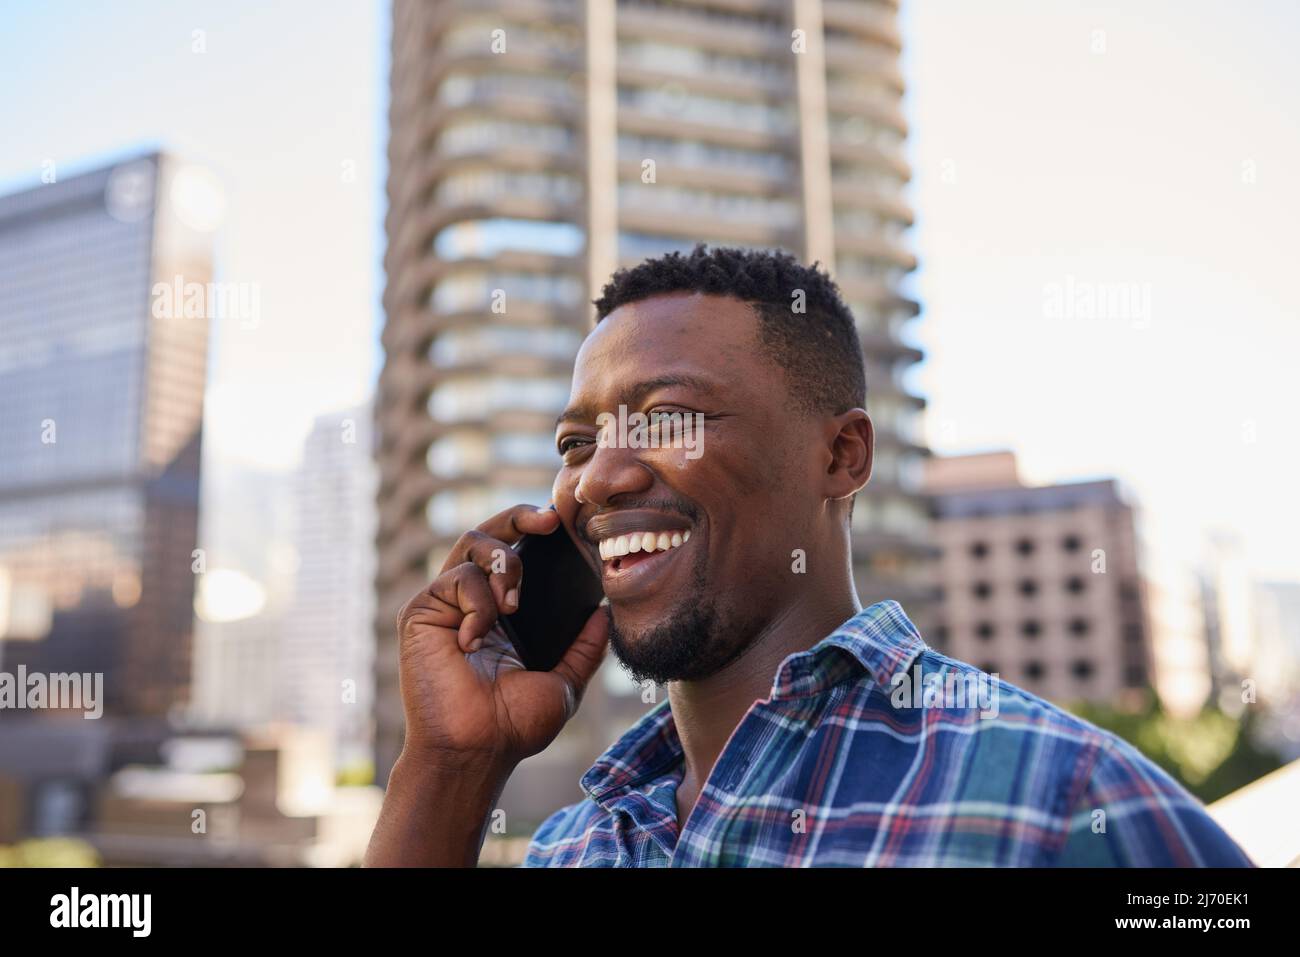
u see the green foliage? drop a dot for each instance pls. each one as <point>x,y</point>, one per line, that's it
<point>1211,754</point>
<point>49,852</point>
<point>355,775</point>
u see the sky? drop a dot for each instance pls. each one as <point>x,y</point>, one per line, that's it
<point>1145,145</point>
<point>1105,198</point>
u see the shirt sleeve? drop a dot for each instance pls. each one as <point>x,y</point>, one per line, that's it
<point>1132,813</point>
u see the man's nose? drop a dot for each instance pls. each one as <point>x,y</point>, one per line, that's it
<point>611,471</point>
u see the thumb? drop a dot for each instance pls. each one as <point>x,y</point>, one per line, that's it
<point>584,657</point>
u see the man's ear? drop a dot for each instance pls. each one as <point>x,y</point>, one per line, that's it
<point>851,443</point>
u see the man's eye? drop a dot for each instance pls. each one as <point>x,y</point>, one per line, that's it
<point>667,418</point>
<point>572,442</point>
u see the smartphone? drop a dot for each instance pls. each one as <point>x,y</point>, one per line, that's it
<point>559,592</point>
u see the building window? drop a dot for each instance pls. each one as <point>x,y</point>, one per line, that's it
<point>1074,585</point>
<point>483,238</point>
<point>482,343</point>
<point>1132,632</point>
<point>1071,543</point>
<point>1082,669</point>
<point>982,590</point>
<point>1028,587</point>
<point>979,549</point>
<point>1025,546</point>
<point>1135,676</point>
<point>1030,628</point>
<point>1078,627</point>
<point>984,631</point>
<point>1035,670</point>
<point>989,667</point>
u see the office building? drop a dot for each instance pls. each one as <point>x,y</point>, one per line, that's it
<point>1040,584</point>
<point>327,647</point>
<point>101,405</point>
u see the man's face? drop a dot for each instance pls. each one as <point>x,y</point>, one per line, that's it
<point>738,503</point>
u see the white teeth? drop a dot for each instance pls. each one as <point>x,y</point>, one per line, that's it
<point>634,542</point>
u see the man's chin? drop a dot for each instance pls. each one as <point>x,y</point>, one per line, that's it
<point>675,646</point>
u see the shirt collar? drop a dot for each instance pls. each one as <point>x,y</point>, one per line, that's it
<point>879,640</point>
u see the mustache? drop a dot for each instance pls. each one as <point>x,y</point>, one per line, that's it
<point>650,504</point>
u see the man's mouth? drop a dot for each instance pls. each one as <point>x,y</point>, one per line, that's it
<point>635,547</point>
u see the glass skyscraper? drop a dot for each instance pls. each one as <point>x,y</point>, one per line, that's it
<point>101,401</point>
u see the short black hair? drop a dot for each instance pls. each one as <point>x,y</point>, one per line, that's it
<point>818,347</point>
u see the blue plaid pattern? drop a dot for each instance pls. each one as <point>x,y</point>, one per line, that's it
<point>828,771</point>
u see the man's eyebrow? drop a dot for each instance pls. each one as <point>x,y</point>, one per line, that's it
<point>633,395</point>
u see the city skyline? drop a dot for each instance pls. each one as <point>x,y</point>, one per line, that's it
<point>976,285</point>
<point>302,290</point>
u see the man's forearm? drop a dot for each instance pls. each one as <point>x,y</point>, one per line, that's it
<point>433,816</point>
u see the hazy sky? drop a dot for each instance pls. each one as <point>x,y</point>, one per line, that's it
<point>1159,152</point>
<point>1062,150</point>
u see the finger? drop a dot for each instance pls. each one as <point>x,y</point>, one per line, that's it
<point>500,563</point>
<point>584,656</point>
<point>456,601</point>
<point>475,598</point>
<point>508,527</point>
<point>514,523</point>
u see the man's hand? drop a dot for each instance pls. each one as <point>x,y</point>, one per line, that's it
<point>472,711</point>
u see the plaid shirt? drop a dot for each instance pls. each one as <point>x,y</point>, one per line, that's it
<point>829,770</point>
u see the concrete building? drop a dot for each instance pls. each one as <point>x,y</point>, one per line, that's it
<point>101,407</point>
<point>538,145</point>
<point>271,802</point>
<point>327,648</point>
<point>1039,584</point>
<point>1228,593</point>
<point>1177,622</point>
<point>245,594</point>
<point>1277,620</point>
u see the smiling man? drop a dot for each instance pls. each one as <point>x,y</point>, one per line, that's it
<point>784,739</point>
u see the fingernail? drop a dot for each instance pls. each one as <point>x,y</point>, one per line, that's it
<point>512,597</point>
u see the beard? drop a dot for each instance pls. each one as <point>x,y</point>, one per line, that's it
<point>689,644</point>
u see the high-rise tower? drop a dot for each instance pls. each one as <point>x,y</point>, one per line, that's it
<point>536,146</point>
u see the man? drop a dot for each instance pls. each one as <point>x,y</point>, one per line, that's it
<point>788,736</point>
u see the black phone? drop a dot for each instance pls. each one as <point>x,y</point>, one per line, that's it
<point>559,592</point>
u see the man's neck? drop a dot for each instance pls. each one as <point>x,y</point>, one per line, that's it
<point>706,712</point>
